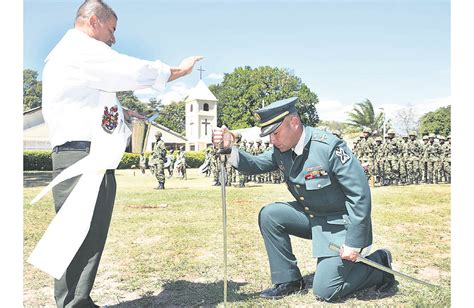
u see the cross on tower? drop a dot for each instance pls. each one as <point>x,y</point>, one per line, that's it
<point>200,72</point>
<point>206,123</point>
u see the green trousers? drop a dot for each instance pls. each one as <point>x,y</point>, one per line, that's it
<point>334,278</point>
<point>74,287</point>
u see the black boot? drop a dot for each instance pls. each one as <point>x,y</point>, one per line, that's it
<point>241,184</point>
<point>388,280</point>
<point>283,289</point>
<point>161,185</point>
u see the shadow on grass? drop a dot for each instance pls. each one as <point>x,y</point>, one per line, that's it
<point>186,293</point>
<point>37,178</point>
<point>362,295</point>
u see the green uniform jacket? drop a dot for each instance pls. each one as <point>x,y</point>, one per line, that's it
<point>329,185</point>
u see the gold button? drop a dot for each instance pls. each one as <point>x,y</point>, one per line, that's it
<point>311,215</point>
<point>306,208</point>
<point>301,198</point>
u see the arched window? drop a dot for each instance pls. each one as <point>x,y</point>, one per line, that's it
<point>206,107</point>
<point>191,108</point>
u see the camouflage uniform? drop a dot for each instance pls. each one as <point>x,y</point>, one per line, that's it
<point>258,150</point>
<point>377,160</point>
<point>446,162</point>
<point>424,159</point>
<point>366,152</point>
<point>268,175</point>
<point>414,152</point>
<point>403,159</point>
<point>390,152</point>
<point>181,163</point>
<point>158,160</point>
<point>171,166</point>
<point>433,151</point>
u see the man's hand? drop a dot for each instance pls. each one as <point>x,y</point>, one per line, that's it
<point>130,113</point>
<point>222,138</point>
<point>347,253</point>
<point>184,68</point>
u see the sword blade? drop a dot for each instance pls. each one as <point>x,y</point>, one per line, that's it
<point>224,221</point>
<point>386,269</point>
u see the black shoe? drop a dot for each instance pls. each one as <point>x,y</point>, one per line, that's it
<point>161,185</point>
<point>388,280</point>
<point>281,290</point>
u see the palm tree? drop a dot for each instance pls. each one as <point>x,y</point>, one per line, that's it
<point>363,115</point>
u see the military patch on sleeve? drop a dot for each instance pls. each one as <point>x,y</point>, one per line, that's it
<point>343,156</point>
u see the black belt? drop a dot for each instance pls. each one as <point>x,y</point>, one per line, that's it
<point>73,146</point>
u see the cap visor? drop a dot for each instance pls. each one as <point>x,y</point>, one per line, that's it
<point>267,130</point>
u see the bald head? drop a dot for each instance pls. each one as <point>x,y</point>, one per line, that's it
<point>94,7</point>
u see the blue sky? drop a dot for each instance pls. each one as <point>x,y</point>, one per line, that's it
<point>395,53</point>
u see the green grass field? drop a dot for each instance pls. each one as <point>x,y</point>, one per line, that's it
<point>173,255</point>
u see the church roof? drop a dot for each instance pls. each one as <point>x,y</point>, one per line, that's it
<point>200,92</point>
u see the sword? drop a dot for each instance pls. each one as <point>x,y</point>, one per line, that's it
<point>386,269</point>
<point>224,221</point>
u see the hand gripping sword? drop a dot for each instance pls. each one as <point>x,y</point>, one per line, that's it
<point>386,269</point>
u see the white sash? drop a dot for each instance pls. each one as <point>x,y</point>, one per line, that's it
<point>68,229</point>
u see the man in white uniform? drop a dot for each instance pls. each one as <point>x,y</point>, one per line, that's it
<point>80,70</point>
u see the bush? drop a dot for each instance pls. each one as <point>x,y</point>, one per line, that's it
<point>41,160</point>
<point>195,159</point>
<point>37,160</point>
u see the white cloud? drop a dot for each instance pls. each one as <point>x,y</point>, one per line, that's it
<point>217,76</point>
<point>176,92</point>
<point>332,110</point>
<point>420,107</point>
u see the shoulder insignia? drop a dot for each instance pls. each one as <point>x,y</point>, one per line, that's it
<point>343,156</point>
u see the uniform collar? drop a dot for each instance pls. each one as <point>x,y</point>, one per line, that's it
<point>299,147</point>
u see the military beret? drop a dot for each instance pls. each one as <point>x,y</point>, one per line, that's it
<point>391,131</point>
<point>367,130</point>
<point>158,134</point>
<point>412,133</point>
<point>425,137</point>
<point>272,116</point>
<point>432,136</point>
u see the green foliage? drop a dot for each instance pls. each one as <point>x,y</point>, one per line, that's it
<point>32,90</point>
<point>245,90</point>
<point>173,116</point>
<point>128,160</point>
<point>37,160</point>
<point>128,100</point>
<point>436,122</point>
<point>363,115</point>
<point>195,159</point>
<point>41,160</point>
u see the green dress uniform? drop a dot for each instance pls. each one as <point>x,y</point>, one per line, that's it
<point>332,204</point>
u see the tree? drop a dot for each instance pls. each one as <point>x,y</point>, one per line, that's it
<point>128,100</point>
<point>405,119</point>
<point>173,116</point>
<point>436,122</point>
<point>363,115</point>
<point>245,90</point>
<point>32,90</point>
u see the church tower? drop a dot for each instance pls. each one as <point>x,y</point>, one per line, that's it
<point>201,117</point>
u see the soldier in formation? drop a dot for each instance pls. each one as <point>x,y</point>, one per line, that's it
<point>157,160</point>
<point>405,160</point>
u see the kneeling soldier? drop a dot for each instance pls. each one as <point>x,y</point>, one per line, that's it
<point>333,205</point>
